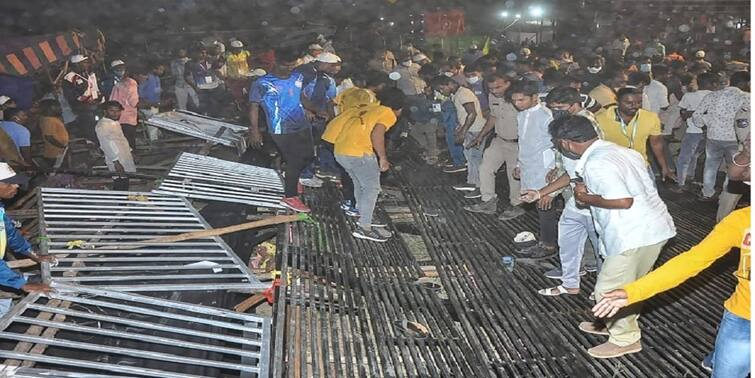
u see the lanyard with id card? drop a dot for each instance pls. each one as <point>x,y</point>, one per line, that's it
<point>624,127</point>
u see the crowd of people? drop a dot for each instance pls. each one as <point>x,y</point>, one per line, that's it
<point>587,140</point>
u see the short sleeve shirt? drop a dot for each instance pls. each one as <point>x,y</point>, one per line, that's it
<point>356,125</point>
<point>464,96</point>
<point>280,99</point>
<point>634,134</point>
<point>18,133</point>
<point>690,101</point>
<point>505,117</point>
<point>615,172</point>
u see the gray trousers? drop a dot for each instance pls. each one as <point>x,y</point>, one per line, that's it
<point>727,202</point>
<point>499,152</point>
<point>182,97</point>
<point>573,231</point>
<point>474,159</point>
<point>426,135</point>
<point>365,172</point>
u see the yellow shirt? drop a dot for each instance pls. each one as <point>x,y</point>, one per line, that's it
<point>633,135</point>
<point>604,95</point>
<point>733,231</point>
<point>354,97</point>
<point>353,129</point>
<point>53,127</point>
<point>237,64</point>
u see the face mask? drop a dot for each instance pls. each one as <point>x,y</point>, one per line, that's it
<point>407,64</point>
<point>567,153</point>
<point>594,70</point>
<point>473,80</point>
<point>645,67</point>
<point>119,73</point>
<point>448,74</point>
<point>559,113</point>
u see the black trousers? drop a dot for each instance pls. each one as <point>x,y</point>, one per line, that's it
<point>549,225</point>
<point>297,151</point>
<point>129,131</point>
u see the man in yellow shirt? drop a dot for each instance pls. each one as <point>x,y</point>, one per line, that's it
<point>237,70</point>
<point>731,354</point>
<point>627,125</point>
<point>364,92</point>
<point>360,150</point>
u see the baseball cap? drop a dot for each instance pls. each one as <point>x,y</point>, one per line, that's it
<point>257,72</point>
<point>328,58</point>
<point>78,58</point>
<point>315,46</point>
<point>394,76</point>
<point>9,176</point>
<point>525,51</point>
<point>4,99</point>
<point>116,62</point>
<point>700,54</point>
<point>237,44</point>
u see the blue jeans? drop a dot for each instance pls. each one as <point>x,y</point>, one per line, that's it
<point>693,144</point>
<point>449,120</point>
<point>716,151</point>
<point>474,159</point>
<point>731,355</point>
<point>365,172</point>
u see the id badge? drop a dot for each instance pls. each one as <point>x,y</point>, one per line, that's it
<point>208,79</point>
<point>436,108</point>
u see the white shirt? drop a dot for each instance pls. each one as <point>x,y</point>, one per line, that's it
<point>690,101</point>
<point>657,94</point>
<point>114,144</point>
<point>717,111</point>
<point>536,157</point>
<point>463,96</point>
<point>570,166</point>
<point>615,172</point>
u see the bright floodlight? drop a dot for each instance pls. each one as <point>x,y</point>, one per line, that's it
<point>518,15</point>
<point>504,14</point>
<point>536,11</point>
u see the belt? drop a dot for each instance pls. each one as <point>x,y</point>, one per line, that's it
<point>515,140</point>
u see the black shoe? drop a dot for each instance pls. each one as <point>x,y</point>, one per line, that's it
<point>473,194</point>
<point>539,251</point>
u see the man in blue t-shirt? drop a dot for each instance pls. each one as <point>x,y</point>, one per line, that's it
<point>13,125</point>
<point>320,90</point>
<point>279,96</point>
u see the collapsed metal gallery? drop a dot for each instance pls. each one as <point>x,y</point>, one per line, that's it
<point>434,301</point>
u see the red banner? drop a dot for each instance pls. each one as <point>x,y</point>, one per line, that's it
<point>444,23</point>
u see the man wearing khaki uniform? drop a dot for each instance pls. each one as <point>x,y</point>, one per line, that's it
<point>630,218</point>
<point>503,149</point>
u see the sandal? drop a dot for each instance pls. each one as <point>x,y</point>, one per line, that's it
<point>559,290</point>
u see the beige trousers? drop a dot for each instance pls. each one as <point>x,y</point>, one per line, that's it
<point>498,153</point>
<point>617,271</point>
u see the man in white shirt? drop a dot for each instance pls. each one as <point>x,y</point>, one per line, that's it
<point>470,122</point>
<point>630,217</point>
<point>693,141</point>
<point>717,112</point>
<point>114,144</point>
<point>535,159</point>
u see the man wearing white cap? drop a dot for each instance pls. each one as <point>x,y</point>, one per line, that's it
<point>126,92</point>
<point>318,98</point>
<point>237,71</point>
<point>111,79</point>
<point>82,92</point>
<point>11,237</point>
<point>314,51</point>
<point>6,103</point>
<point>421,59</point>
<point>699,64</point>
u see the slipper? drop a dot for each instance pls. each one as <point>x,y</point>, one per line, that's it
<point>560,290</point>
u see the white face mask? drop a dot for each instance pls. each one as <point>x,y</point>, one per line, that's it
<point>473,80</point>
<point>448,74</point>
<point>645,67</point>
<point>407,63</point>
<point>594,70</point>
